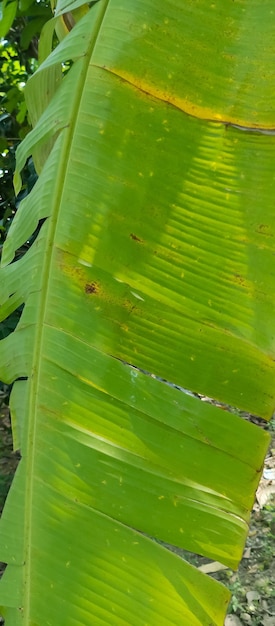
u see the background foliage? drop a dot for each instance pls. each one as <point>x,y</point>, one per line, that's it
<point>20,27</point>
<point>18,61</point>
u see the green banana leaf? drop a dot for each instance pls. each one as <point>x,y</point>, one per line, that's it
<point>152,273</point>
<point>7,15</point>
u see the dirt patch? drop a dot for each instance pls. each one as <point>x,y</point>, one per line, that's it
<point>8,460</point>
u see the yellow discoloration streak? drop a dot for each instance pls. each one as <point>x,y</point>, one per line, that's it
<point>183,104</point>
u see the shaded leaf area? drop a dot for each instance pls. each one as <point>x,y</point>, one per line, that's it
<point>156,258</point>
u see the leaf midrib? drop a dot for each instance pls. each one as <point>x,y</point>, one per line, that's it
<point>46,271</point>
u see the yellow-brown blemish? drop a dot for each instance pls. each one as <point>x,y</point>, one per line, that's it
<point>91,288</point>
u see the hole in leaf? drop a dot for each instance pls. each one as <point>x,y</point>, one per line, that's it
<point>25,247</point>
<point>254,419</point>
<point>8,325</point>
<point>2,569</point>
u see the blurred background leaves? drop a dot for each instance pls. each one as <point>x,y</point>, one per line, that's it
<point>21,24</point>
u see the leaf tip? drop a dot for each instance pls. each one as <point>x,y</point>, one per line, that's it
<point>17,182</point>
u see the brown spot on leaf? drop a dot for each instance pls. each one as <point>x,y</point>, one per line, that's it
<point>91,288</point>
<point>135,238</point>
<point>240,280</point>
<point>264,229</point>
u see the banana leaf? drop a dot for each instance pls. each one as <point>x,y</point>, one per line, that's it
<point>149,285</point>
